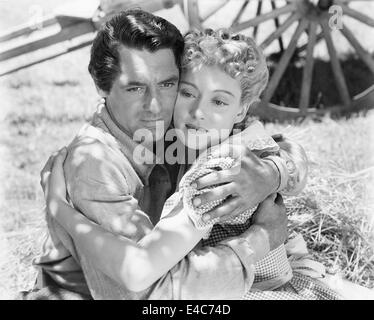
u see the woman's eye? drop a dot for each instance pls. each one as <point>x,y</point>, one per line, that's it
<point>186,94</point>
<point>219,103</point>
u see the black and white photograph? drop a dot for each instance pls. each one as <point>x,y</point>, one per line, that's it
<point>194,150</point>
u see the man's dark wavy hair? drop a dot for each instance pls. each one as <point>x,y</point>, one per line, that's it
<point>135,29</point>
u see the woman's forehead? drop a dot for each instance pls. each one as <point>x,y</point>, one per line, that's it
<point>212,78</point>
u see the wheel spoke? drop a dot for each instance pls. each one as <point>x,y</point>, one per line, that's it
<point>282,65</point>
<point>357,15</point>
<point>362,53</point>
<point>303,47</point>
<point>240,13</point>
<point>308,69</point>
<point>335,64</point>
<point>193,15</point>
<point>214,10</point>
<point>277,33</point>
<point>348,1</point>
<point>266,16</point>
<point>255,29</point>
<point>276,21</point>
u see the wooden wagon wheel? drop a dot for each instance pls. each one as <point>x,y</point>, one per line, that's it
<point>310,15</point>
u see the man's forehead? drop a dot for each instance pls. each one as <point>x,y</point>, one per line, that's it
<point>138,65</point>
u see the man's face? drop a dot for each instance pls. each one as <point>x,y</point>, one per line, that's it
<point>145,91</point>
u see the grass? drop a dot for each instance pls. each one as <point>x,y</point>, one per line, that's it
<point>335,212</point>
<point>44,106</point>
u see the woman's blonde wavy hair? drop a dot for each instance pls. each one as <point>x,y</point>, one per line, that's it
<point>237,55</point>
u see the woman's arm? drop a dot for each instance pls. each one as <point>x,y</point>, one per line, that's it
<point>134,265</point>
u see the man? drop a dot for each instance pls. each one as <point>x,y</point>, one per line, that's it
<point>135,64</point>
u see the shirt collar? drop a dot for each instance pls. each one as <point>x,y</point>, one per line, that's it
<point>127,145</point>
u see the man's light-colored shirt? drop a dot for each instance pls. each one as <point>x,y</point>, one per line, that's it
<point>103,180</point>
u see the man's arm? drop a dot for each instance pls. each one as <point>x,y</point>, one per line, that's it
<point>102,201</point>
<point>128,263</point>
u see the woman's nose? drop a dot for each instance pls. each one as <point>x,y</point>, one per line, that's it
<point>197,112</point>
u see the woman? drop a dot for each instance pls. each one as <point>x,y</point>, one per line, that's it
<point>223,75</point>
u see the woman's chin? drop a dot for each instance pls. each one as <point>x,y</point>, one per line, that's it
<point>196,140</point>
<point>197,144</point>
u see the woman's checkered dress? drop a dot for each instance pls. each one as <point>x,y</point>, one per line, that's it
<point>274,266</point>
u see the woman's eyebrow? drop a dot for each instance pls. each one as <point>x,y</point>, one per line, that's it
<point>225,91</point>
<point>189,83</point>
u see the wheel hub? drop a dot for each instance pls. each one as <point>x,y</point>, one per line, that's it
<point>314,9</point>
<point>325,4</point>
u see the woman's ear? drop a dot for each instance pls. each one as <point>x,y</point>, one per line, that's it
<point>242,113</point>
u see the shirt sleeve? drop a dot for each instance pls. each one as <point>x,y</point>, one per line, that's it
<point>101,189</point>
<point>101,186</point>
<point>292,164</point>
<point>225,271</point>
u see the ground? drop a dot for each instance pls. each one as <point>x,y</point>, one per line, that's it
<point>43,106</point>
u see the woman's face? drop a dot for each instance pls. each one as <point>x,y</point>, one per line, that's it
<point>208,105</point>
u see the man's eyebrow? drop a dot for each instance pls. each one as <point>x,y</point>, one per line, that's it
<point>134,84</point>
<point>141,84</point>
<point>225,91</point>
<point>170,79</point>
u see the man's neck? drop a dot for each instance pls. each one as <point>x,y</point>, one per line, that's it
<point>113,118</point>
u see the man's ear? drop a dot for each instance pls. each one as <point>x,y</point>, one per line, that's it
<point>101,92</point>
<point>242,113</point>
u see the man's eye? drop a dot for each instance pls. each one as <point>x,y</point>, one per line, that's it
<point>135,89</point>
<point>167,84</point>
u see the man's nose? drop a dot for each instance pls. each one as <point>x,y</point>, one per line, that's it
<point>153,104</point>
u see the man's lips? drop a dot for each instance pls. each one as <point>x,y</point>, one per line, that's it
<point>151,122</point>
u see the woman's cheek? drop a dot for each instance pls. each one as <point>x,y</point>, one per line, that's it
<point>178,115</point>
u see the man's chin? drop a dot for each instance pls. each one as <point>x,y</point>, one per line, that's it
<point>150,132</point>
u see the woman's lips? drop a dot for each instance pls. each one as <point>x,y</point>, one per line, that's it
<point>196,128</point>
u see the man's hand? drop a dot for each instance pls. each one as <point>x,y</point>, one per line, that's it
<point>247,184</point>
<point>271,217</point>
